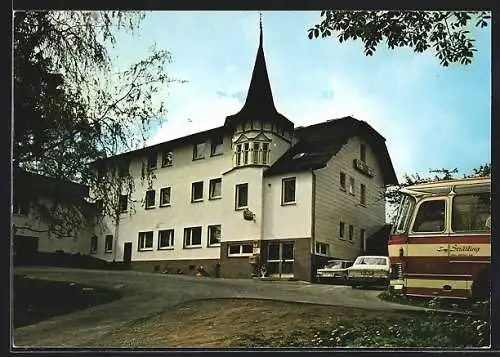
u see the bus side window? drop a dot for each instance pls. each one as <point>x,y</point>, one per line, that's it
<point>430,217</point>
<point>471,213</point>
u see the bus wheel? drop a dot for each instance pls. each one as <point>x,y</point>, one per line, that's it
<point>481,285</point>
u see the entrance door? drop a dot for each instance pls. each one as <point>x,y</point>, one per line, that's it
<point>127,252</point>
<point>280,259</point>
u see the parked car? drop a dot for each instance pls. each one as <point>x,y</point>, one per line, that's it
<point>334,271</point>
<point>369,270</point>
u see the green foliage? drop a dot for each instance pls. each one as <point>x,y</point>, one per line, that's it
<point>446,33</point>
<point>430,329</point>
<point>72,107</point>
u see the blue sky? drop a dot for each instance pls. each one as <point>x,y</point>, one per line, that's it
<point>431,116</point>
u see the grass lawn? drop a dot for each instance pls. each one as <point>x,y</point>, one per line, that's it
<point>36,300</point>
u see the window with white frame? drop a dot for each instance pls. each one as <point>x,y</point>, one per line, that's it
<point>246,153</point>
<point>214,235</point>
<point>351,233</point>
<point>255,152</point>
<point>341,230</point>
<point>238,155</point>
<point>216,145</point>
<point>166,158</point>
<point>197,191</point>
<point>192,237</point>
<point>265,153</point>
<point>123,203</point>
<point>242,196</point>
<point>150,198</point>
<point>166,239</point>
<point>322,249</point>
<point>239,250</point>
<point>145,241</point>
<point>152,158</point>
<point>108,244</point>
<point>351,185</point>
<point>288,191</point>
<point>165,196</point>
<point>93,244</point>
<point>342,181</point>
<point>199,151</point>
<point>215,188</point>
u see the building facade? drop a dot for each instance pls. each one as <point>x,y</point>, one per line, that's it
<point>254,192</point>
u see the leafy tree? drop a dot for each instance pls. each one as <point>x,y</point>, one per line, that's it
<point>72,107</point>
<point>445,32</point>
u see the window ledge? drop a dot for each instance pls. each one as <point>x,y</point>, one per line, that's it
<point>165,248</point>
<point>241,208</point>
<point>198,158</point>
<point>162,166</point>
<point>198,200</point>
<point>108,251</point>
<point>216,245</point>
<point>246,255</point>
<point>193,247</point>
<point>145,249</point>
<point>341,238</point>
<point>288,203</point>
<point>215,198</point>
<point>152,207</point>
<point>216,154</point>
<point>165,205</point>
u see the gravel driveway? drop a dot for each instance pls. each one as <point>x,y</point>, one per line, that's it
<point>147,294</point>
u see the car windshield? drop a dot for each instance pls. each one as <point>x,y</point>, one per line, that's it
<point>371,260</point>
<point>334,265</point>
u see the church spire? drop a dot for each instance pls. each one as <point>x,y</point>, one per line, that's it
<point>259,103</point>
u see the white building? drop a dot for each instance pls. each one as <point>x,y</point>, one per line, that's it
<point>254,190</point>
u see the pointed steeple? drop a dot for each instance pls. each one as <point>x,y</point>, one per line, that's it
<point>259,104</point>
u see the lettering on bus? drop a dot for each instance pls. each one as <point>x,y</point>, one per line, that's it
<point>464,250</point>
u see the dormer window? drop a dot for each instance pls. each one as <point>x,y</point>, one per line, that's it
<point>199,151</point>
<point>216,147</point>
<point>166,158</point>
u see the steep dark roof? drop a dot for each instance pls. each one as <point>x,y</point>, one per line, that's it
<point>319,142</point>
<point>259,102</point>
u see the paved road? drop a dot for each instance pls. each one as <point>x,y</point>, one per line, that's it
<point>147,294</point>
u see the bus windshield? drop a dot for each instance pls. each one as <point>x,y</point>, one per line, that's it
<point>403,217</point>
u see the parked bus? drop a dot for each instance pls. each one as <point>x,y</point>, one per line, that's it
<point>440,244</point>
